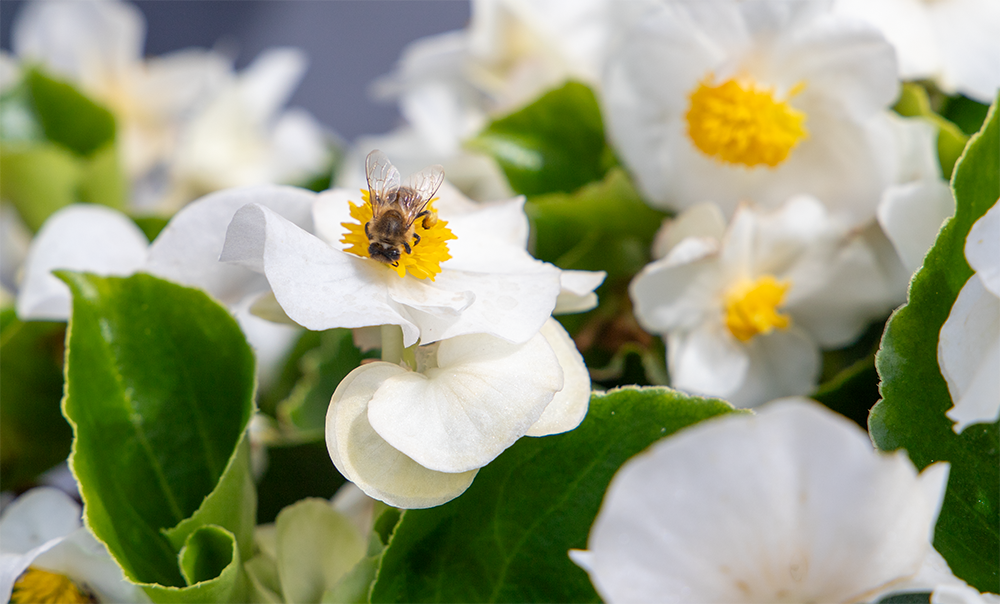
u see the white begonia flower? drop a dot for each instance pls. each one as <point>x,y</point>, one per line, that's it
<point>416,439</point>
<point>744,316</point>
<point>46,552</point>
<point>97,44</point>
<point>759,101</point>
<point>476,276</point>
<point>101,240</point>
<point>241,137</point>
<point>952,42</point>
<point>789,505</point>
<point>969,342</point>
<point>448,85</point>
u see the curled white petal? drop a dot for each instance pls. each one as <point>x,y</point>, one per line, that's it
<point>483,395</point>
<point>570,404</point>
<point>576,292</point>
<point>969,354</point>
<point>364,458</point>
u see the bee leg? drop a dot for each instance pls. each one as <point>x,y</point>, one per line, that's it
<point>430,218</point>
<point>417,238</point>
<point>367,232</point>
<point>406,246</point>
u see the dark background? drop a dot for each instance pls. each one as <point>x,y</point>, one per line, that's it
<point>349,43</point>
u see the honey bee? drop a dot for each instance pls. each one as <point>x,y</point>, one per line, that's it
<point>395,208</point>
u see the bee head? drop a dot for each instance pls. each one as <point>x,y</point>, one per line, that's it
<point>384,253</point>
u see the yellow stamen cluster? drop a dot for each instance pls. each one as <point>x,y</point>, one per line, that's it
<point>425,258</point>
<point>739,123</point>
<point>751,307</point>
<point>37,586</point>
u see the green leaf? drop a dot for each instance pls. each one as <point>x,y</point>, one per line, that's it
<point>159,392</point>
<point>506,539</point>
<point>58,147</point>
<point>34,436</point>
<point>914,102</point>
<point>603,226</point>
<point>965,113</point>
<point>67,117</point>
<point>915,397</point>
<point>554,144</point>
<point>39,179</point>
<point>294,472</point>
<point>210,560</point>
<point>323,368</point>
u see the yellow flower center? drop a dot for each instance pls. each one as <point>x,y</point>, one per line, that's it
<point>36,586</point>
<point>424,258</point>
<point>752,307</point>
<point>739,123</point>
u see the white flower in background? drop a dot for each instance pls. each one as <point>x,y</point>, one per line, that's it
<point>969,342</point>
<point>953,42</point>
<point>758,101</point>
<point>450,85</point>
<point>242,137</point>
<point>416,438</point>
<point>47,555</point>
<point>789,505</point>
<point>745,309</point>
<point>469,274</point>
<point>98,45</point>
<point>97,239</point>
<point>513,50</point>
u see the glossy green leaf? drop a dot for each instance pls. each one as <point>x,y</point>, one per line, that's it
<point>160,384</point>
<point>323,368</point>
<point>506,539</point>
<point>915,396</point>
<point>914,102</point>
<point>68,117</point>
<point>554,144</point>
<point>603,226</point>
<point>34,436</point>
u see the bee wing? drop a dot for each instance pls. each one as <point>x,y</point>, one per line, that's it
<point>383,179</point>
<point>426,183</point>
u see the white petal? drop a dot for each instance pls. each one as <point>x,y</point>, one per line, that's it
<point>491,237</point>
<point>483,395</point>
<point>512,306</point>
<point>569,406</point>
<point>187,250</point>
<point>318,287</point>
<point>703,220</point>
<point>79,237</point>
<point>576,292</point>
<point>969,354</point>
<point>782,363</point>
<point>267,83</point>
<point>679,291</point>
<point>707,361</point>
<point>982,249</point>
<point>330,210</point>
<point>88,41</point>
<point>365,459</point>
<point>911,216</point>
<point>789,505</point>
